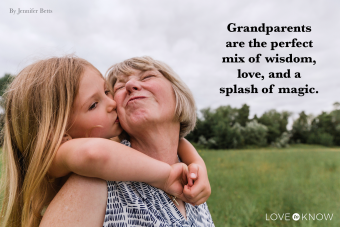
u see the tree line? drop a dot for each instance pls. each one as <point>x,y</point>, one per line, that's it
<point>227,127</point>
<point>4,82</point>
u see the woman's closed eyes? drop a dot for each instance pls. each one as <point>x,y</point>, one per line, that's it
<point>147,77</point>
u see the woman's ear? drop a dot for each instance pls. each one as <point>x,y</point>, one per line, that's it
<point>66,137</point>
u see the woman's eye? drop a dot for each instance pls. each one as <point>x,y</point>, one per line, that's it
<point>118,88</point>
<point>93,106</point>
<point>107,92</point>
<point>148,76</point>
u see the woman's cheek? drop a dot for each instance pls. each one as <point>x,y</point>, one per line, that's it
<point>119,107</point>
<point>119,103</point>
<point>117,97</point>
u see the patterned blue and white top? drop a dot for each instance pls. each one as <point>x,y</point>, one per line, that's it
<point>139,204</point>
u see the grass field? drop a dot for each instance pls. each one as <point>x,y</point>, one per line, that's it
<point>248,184</point>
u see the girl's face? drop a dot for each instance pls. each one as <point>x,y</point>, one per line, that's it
<point>94,110</point>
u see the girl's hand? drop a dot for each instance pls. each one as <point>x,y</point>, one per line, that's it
<point>177,180</point>
<point>198,190</point>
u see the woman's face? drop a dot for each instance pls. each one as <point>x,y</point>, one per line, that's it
<point>144,98</point>
<point>94,110</point>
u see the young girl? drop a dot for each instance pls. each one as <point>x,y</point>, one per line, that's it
<point>51,101</point>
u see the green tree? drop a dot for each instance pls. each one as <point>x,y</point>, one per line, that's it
<point>322,130</point>
<point>336,105</point>
<point>243,115</point>
<point>223,118</point>
<point>203,128</point>
<point>301,128</point>
<point>4,82</point>
<point>215,128</point>
<point>335,114</point>
<point>255,134</point>
<point>276,123</point>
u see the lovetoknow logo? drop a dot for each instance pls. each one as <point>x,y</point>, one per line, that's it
<point>299,217</point>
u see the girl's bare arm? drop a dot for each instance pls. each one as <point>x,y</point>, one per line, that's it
<point>109,160</point>
<point>199,191</point>
<point>80,202</point>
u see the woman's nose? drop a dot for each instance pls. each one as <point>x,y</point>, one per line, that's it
<point>132,85</point>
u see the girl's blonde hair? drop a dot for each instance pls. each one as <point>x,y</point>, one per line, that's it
<point>38,105</point>
<point>185,104</point>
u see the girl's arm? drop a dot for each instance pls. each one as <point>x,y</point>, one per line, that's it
<point>199,191</point>
<point>109,160</point>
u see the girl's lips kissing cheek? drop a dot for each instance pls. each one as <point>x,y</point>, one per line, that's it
<point>117,120</point>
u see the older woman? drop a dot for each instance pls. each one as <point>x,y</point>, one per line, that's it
<point>156,109</point>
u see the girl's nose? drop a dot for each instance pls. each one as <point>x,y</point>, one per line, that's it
<point>112,105</point>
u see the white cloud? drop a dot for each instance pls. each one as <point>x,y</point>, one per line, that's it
<point>190,36</point>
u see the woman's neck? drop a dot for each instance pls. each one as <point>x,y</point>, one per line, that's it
<point>159,142</point>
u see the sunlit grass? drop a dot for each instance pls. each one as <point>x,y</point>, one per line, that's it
<point>248,184</point>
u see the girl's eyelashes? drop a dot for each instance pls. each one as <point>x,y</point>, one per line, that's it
<point>107,92</point>
<point>93,106</point>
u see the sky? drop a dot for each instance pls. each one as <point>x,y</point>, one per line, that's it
<point>191,37</point>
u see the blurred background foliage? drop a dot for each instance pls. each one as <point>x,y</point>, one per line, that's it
<point>227,128</point>
<point>4,82</point>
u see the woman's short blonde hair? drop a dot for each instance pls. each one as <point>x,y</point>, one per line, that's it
<point>185,104</point>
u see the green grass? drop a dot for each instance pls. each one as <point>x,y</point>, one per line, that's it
<point>248,184</point>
